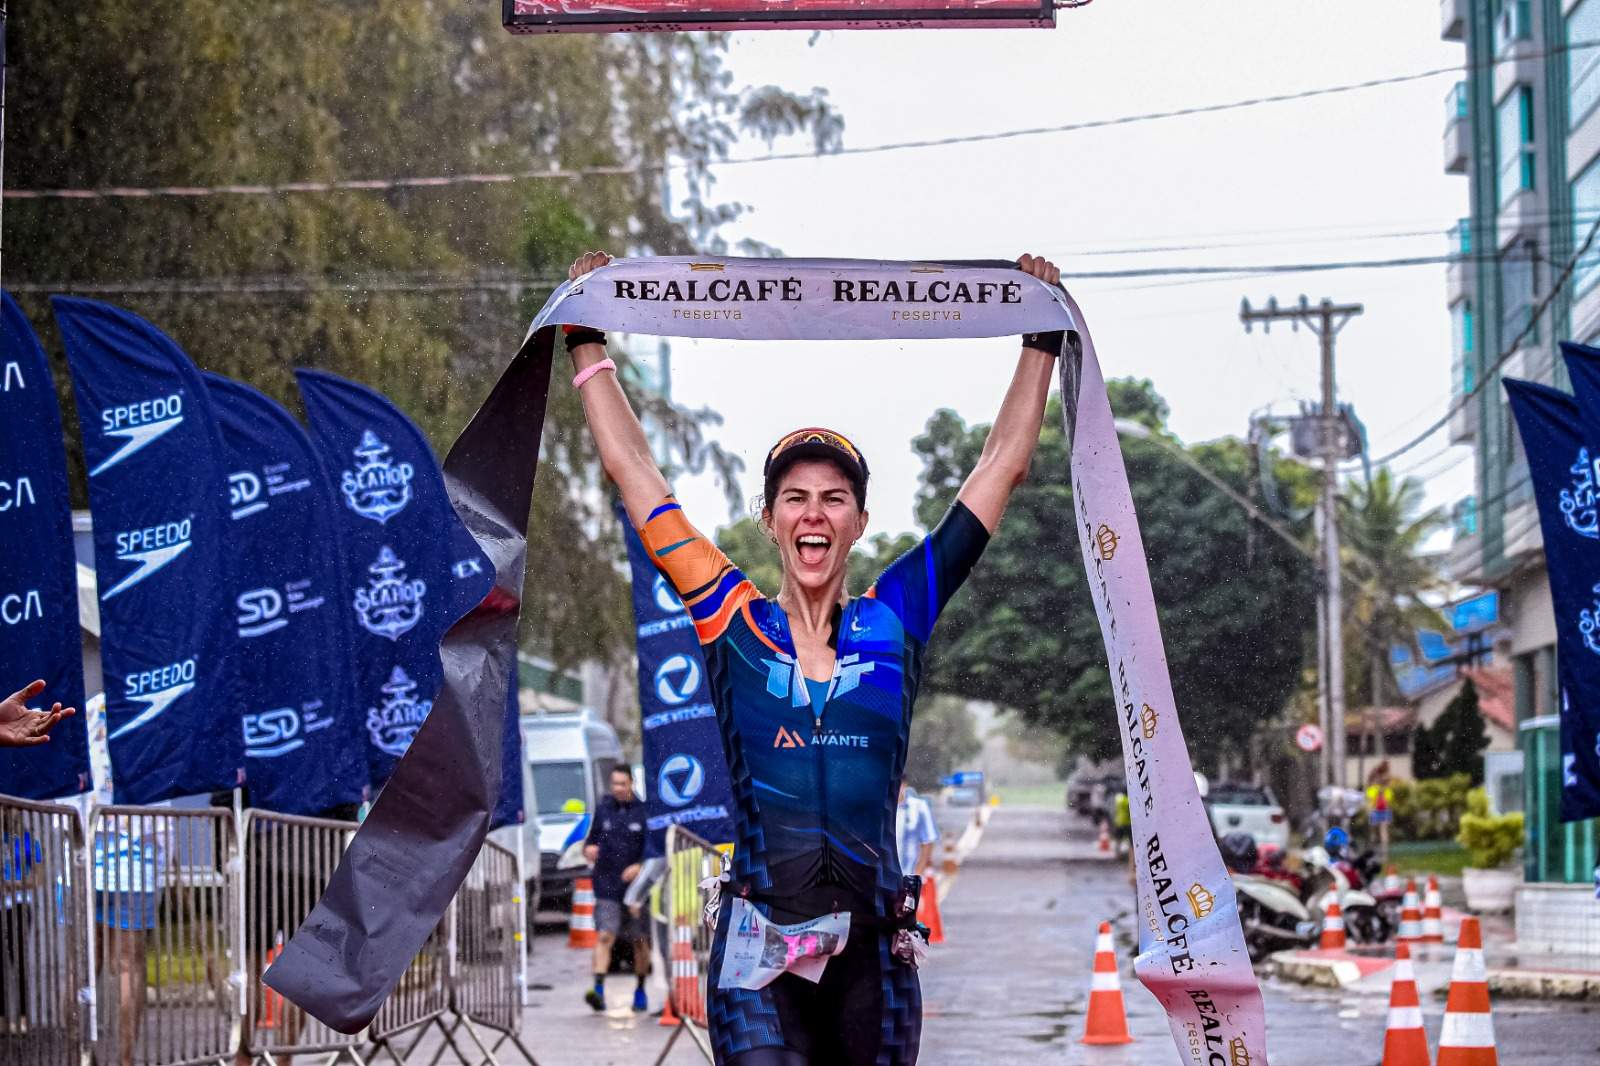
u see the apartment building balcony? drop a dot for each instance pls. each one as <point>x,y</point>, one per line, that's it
<point>1516,48</point>
<point>1453,20</point>
<point>1524,217</point>
<point>1460,274</point>
<point>1464,560</point>
<point>1457,130</point>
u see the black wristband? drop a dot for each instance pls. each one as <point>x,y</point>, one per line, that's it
<point>1049,343</point>
<point>584,336</point>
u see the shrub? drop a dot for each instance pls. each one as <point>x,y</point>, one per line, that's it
<point>1490,839</point>
<point>1429,809</point>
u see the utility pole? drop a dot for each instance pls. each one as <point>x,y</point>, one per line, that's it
<point>1325,320</point>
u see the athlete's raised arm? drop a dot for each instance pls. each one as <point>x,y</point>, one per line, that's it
<point>624,451</point>
<point>1009,447</point>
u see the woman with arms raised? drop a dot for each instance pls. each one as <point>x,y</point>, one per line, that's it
<point>814,692</point>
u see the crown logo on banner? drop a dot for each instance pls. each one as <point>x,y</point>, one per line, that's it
<point>1201,900</point>
<point>1147,722</point>
<point>1238,1052</point>
<point>1106,541</point>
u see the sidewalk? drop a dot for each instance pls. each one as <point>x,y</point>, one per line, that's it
<point>1512,973</point>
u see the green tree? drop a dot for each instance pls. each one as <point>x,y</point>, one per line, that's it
<point>1460,737</point>
<point>422,292</point>
<point>1382,527</point>
<point>944,736</point>
<point>1234,605</point>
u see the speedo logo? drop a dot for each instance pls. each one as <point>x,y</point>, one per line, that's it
<point>150,549</point>
<point>139,425</point>
<point>157,690</point>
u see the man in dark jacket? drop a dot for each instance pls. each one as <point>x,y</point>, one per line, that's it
<point>615,848</point>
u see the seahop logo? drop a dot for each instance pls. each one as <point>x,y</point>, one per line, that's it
<point>1147,722</point>
<point>1589,623</point>
<point>1238,1052</point>
<point>393,725</point>
<point>390,606</point>
<point>787,739</point>
<point>377,488</point>
<point>1201,900</point>
<point>1105,542</point>
<point>1578,503</point>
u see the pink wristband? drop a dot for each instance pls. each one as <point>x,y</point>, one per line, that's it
<point>590,371</point>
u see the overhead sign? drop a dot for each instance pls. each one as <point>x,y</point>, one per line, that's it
<point>608,16</point>
<point>1478,612</point>
<point>1308,738</point>
<point>962,778</point>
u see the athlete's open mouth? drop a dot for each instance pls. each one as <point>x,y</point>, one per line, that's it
<point>812,548</point>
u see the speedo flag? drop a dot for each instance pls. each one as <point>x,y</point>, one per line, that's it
<point>1561,455</point>
<point>411,567</point>
<point>39,635</point>
<point>685,772</point>
<point>297,701</point>
<point>158,495</point>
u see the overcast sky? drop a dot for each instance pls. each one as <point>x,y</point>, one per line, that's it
<point>1352,176</point>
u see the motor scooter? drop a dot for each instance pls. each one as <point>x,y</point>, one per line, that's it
<point>1364,921</point>
<point>1273,917</point>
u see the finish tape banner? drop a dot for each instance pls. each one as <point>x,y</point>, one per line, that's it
<point>38,573</point>
<point>1561,467</point>
<point>1192,950</point>
<point>685,772</point>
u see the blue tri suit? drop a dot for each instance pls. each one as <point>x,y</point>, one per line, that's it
<point>815,787</point>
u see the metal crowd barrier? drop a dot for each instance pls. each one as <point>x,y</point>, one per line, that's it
<point>164,884</point>
<point>288,862</point>
<point>684,934</point>
<point>43,961</point>
<point>141,942</point>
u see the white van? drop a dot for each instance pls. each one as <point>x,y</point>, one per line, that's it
<point>567,761</point>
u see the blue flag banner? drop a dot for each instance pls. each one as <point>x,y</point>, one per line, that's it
<point>1559,463</point>
<point>39,635</point>
<point>302,745</point>
<point>685,772</point>
<point>157,490</point>
<point>412,568</point>
<point>510,809</point>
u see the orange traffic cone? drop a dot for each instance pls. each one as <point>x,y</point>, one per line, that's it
<point>1103,845</point>
<point>271,1002</point>
<point>580,930</point>
<point>1467,1038</point>
<point>667,1017</point>
<point>1332,926</point>
<point>1108,1020</point>
<point>1404,1041</point>
<point>928,910</point>
<point>1410,916</point>
<point>1432,914</point>
<point>1391,879</point>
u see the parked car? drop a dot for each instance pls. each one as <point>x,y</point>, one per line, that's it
<point>1252,809</point>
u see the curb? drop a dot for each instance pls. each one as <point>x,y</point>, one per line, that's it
<point>1545,984</point>
<point>1320,973</point>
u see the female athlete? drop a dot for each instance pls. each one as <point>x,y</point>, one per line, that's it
<point>814,692</point>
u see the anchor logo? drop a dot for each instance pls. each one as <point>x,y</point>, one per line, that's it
<point>390,606</point>
<point>393,725</point>
<point>377,488</point>
<point>1578,504</point>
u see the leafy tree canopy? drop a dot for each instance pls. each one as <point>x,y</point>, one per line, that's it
<point>388,288</point>
<point>1235,602</point>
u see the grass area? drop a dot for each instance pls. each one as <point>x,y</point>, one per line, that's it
<point>1443,857</point>
<point>1051,795</point>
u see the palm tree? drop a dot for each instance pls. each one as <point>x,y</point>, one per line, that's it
<point>1382,528</point>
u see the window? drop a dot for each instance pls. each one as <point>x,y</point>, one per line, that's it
<point>1518,283</point>
<point>1465,515</point>
<point>1463,364</point>
<point>558,787</point>
<point>1513,141</point>
<point>1583,64</point>
<point>1585,210</point>
<point>1513,21</point>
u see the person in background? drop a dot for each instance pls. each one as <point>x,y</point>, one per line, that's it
<point>915,833</point>
<point>1380,807</point>
<point>615,848</point>
<point>21,726</point>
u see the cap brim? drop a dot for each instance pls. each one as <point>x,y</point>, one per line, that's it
<point>817,450</point>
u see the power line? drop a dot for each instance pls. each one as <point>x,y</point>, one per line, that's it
<point>1511,349</point>
<point>563,174</point>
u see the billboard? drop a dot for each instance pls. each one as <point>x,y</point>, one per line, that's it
<point>610,16</point>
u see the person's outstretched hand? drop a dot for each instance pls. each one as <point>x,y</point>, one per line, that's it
<point>21,726</point>
<point>1041,268</point>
